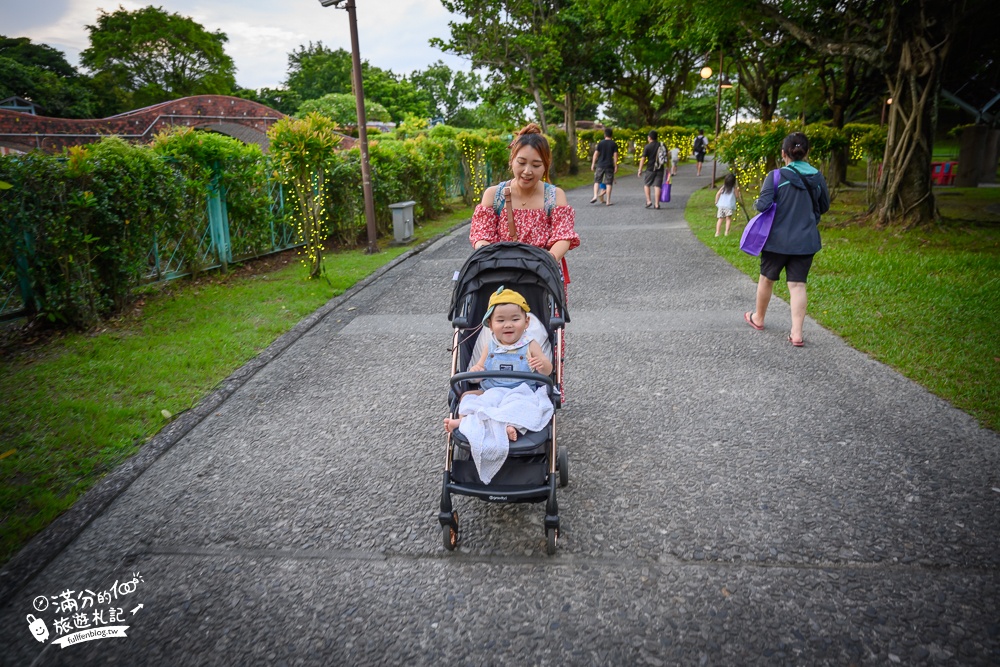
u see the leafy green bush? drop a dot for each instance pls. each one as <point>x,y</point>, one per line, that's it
<point>81,227</point>
<point>342,109</point>
<point>559,145</point>
<point>214,163</point>
<point>867,141</point>
<point>752,149</point>
<point>305,155</point>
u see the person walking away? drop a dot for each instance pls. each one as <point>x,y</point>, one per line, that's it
<point>725,202</point>
<point>605,166</point>
<point>700,146</point>
<point>675,157</point>
<point>654,159</point>
<point>802,197</point>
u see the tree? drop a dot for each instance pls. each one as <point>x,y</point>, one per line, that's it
<point>651,59</point>
<point>282,99</point>
<point>448,91</point>
<point>342,109</point>
<point>154,56</point>
<point>39,73</point>
<point>315,71</point>
<point>545,48</point>
<point>303,150</point>
<point>908,41</point>
<point>400,97</point>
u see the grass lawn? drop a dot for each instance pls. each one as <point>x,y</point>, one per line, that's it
<point>77,405</point>
<point>924,301</point>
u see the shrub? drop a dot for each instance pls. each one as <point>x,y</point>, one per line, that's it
<point>342,109</point>
<point>81,227</point>
<point>215,164</point>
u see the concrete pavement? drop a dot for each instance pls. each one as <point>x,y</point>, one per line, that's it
<point>732,500</point>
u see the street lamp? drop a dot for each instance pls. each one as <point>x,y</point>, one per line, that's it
<point>359,97</point>
<point>718,108</point>
<point>884,107</point>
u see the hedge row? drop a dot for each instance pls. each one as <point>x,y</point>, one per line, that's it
<point>750,149</point>
<point>79,228</point>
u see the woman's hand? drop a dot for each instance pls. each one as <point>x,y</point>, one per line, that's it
<point>481,244</point>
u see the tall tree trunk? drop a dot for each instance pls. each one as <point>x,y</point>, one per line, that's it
<point>541,110</point>
<point>903,192</point>
<point>536,93</point>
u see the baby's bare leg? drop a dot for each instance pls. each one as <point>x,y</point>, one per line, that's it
<point>451,424</point>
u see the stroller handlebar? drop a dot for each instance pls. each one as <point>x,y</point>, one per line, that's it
<point>507,375</point>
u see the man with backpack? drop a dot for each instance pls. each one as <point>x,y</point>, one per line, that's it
<point>700,146</point>
<point>654,157</point>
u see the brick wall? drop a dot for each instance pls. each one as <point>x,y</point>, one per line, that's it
<point>24,131</point>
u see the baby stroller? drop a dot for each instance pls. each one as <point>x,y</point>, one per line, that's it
<point>534,464</point>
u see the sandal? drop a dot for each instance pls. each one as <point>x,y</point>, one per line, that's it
<point>749,320</point>
<point>796,343</point>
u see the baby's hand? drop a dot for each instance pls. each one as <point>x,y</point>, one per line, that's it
<point>535,363</point>
<point>476,368</point>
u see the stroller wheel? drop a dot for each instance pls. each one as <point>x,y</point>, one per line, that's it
<point>449,535</point>
<point>551,537</point>
<point>562,464</point>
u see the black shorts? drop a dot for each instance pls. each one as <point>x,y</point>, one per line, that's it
<point>796,266</point>
<point>700,156</point>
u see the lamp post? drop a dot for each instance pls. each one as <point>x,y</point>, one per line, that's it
<point>884,107</point>
<point>706,72</point>
<point>359,97</point>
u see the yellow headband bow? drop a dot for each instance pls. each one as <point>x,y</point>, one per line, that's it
<point>502,296</point>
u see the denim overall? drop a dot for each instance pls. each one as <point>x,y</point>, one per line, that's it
<point>514,360</point>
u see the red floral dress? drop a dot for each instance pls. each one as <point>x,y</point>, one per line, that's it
<point>534,227</point>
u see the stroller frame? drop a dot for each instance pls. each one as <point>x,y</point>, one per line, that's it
<point>535,465</point>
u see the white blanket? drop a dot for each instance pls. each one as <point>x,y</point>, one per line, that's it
<point>485,418</point>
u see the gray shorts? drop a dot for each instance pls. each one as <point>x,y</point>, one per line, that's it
<point>653,179</point>
<point>606,176</point>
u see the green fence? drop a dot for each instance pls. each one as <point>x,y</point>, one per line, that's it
<point>220,242</point>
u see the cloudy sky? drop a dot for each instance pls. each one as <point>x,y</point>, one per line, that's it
<point>393,34</point>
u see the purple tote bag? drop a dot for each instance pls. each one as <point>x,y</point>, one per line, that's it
<point>755,235</point>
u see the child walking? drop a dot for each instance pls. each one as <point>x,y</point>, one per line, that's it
<point>725,201</point>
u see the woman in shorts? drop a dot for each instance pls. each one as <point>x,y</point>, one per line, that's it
<point>801,198</point>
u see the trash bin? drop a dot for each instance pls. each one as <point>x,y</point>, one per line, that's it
<point>402,221</point>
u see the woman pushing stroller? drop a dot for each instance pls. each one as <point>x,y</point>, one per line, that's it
<point>527,208</point>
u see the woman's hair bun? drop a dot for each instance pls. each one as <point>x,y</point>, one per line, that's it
<point>530,128</point>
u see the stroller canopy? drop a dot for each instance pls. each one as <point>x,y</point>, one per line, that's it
<point>509,262</point>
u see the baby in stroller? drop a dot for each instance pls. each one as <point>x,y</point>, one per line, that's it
<point>509,348</point>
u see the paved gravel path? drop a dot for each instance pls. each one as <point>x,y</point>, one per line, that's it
<point>732,500</point>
